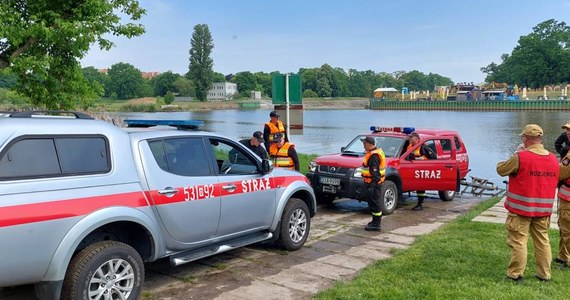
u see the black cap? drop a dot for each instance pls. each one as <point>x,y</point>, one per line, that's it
<point>259,136</point>
<point>369,139</point>
<point>274,114</point>
<point>278,137</point>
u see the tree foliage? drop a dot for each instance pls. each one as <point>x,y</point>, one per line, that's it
<point>245,81</point>
<point>126,81</point>
<point>184,86</point>
<point>201,63</point>
<point>42,41</point>
<point>540,58</point>
<point>164,83</point>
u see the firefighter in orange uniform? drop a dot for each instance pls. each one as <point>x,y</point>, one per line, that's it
<point>421,153</point>
<point>283,154</point>
<point>563,256</point>
<point>273,127</point>
<point>373,173</point>
<point>533,176</point>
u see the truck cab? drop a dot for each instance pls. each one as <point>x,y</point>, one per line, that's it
<point>339,175</point>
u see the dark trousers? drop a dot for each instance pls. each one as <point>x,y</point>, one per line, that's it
<point>373,198</point>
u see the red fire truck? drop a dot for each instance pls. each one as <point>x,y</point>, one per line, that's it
<point>339,175</point>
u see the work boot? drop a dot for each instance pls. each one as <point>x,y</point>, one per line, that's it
<point>420,205</point>
<point>374,225</point>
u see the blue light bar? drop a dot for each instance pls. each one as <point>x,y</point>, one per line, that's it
<point>406,130</point>
<point>179,124</point>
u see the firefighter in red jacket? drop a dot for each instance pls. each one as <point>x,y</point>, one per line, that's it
<point>563,257</point>
<point>533,176</point>
<point>283,154</point>
<point>373,173</point>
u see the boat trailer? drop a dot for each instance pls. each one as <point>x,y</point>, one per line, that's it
<point>480,187</point>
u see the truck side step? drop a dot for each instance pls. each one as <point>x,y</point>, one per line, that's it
<point>192,255</point>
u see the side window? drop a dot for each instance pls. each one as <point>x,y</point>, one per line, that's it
<point>445,145</point>
<point>82,155</point>
<point>30,158</point>
<point>231,159</point>
<point>181,156</point>
<point>36,157</point>
<point>457,143</point>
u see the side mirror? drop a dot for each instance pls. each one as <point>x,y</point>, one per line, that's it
<point>265,166</point>
<point>342,149</point>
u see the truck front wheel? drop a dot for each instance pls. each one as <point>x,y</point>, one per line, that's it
<point>389,197</point>
<point>104,270</point>
<point>295,225</point>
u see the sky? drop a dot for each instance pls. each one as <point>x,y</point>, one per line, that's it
<point>450,38</point>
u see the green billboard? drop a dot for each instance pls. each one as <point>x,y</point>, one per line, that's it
<point>278,89</point>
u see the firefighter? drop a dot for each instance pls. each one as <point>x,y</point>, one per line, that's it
<point>283,153</point>
<point>563,256</point>
<point>373,172</point>
<point>273,127</point>
<point>533,176</point>
<point>562,143</point>
<point>421,153</point>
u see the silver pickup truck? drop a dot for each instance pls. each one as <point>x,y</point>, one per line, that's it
<point>83,203</point>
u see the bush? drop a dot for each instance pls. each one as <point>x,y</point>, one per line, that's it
<point>169,97</point>
<point>11,97</point>
<point>309,94</point>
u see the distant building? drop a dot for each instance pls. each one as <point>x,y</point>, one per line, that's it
<point>255,95</point>
<point>222,91</point>
<point>145,75</point>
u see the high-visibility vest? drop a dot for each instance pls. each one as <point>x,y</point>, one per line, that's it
<point>366,176</point>
<point>274,129</point>
<point>532,190</point>
<point>416,152</point>
<point>564,191</point>
<point>280,156</point>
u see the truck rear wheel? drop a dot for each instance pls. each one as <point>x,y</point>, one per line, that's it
<point>389,197</point>
<point>446,195</point>
<point>104,270</point>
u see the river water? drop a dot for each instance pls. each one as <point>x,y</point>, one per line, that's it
<point>488,136</point>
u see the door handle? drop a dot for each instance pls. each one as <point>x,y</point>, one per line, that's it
<point>230,187</point>
<point>449,166</point>
<point>168,191</point>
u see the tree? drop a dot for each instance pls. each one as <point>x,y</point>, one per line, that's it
<point>42,41</point>
<point>8,79</point>
<point>184,86</point>
<point>201,63</point>
<point>126,81</point>
<point>98,80</point>
<point>218,77</point>
<point>245,82</point>
<point>164,83</point>
<point>540,58</point>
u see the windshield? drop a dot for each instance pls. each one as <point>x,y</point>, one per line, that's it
<point>391,146</point>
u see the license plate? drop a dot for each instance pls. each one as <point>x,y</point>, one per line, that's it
<point>329,180</point>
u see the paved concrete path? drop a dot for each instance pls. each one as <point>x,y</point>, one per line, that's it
<point>337,249</point>
<point>498,214</point>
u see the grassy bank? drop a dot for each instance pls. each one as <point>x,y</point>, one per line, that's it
<point>304,160</point>
<point>462,260</point>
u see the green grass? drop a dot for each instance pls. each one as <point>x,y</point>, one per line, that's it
<point>304,160</point>
<point>462,260</point>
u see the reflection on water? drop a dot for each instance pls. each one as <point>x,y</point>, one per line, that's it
<point>489,136</point>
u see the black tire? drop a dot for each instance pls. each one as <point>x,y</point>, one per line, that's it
<point>446,195</point>
<point>388,197</point>
<point>325,198</point>
<point>82,276</point>
<point>295,225</point>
